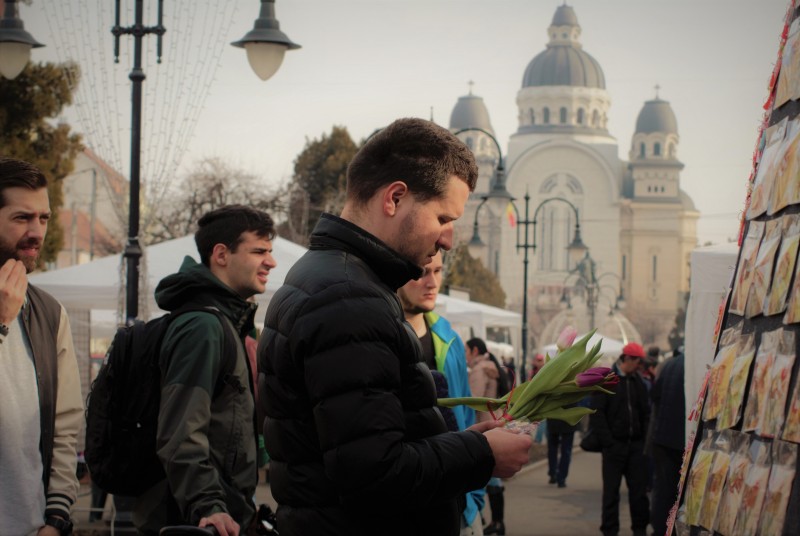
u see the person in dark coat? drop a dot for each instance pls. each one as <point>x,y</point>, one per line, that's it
<point>357,444</point>
<point>669,438</point>
<point>560,436</point>
<point>621,424</point>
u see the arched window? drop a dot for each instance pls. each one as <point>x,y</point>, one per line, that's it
<point>562,115</point>
<point>641,150</point>
<point>595,119</point>
<point>469,143</point>
<point>657,149</point>
<point>546,115</point>
<point>580,116</point>
<point>532,116</point>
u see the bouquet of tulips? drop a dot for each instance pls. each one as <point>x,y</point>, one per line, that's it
<point>552,393</point>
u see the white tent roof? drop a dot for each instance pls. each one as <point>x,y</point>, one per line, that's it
<point>712,270</point>
<point>99,284</point>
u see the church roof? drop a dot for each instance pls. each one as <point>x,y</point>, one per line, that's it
<point>470,111</point>
<point>657,116</point>
<point>687,202</point>
<point>564,62</point>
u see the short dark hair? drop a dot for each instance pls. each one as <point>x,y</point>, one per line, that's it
<point>15,173</point>
<point>226,225</point>
<point>475,342</point>
<point>420,153</point>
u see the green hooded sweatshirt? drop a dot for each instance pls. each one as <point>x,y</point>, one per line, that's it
<point>206,435</point>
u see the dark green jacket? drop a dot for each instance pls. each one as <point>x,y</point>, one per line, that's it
<point>207,443</point>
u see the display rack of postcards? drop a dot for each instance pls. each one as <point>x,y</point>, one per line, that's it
<point>738,475</point>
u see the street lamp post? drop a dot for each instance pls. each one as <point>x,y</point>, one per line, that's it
<point>15,42</point>
<point>266,43</point>
<point>133,249</point>
<point>264,60</point>
<point>498,192</point>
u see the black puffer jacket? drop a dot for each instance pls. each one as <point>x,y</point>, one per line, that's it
<point>624,415</point>
<point>357,446</point>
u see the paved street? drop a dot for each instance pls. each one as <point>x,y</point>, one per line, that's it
<point>533,507</point>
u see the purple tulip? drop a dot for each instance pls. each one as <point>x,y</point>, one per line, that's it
<point>592,376</point>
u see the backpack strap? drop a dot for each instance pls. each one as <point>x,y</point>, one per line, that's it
<point>230,350</point>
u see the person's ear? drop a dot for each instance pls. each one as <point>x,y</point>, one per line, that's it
<point>393,195</point>
<point>219,255</point>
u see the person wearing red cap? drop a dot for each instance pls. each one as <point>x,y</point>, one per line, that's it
<point>621,424</point>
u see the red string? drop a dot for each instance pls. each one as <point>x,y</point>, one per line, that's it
<point>505,414</point>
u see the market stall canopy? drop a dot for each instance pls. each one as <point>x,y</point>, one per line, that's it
<point>99,284</point>
<point>711,274</point>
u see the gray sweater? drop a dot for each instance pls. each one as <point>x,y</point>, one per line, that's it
<point>22,505</point>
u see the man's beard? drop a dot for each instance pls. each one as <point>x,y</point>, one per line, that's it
<point>12,253</point>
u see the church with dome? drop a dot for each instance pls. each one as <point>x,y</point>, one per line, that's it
<point>638,224</point>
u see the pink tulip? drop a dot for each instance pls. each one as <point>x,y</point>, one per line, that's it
<point>566,338</point>
<point>593,376</point>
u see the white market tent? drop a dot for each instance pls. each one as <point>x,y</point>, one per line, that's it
<point>712,270</point>
<point>99,284</point>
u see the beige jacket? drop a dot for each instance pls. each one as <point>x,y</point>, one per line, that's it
<point>483,376</point>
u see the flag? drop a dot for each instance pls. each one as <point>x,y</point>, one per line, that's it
<point>512,217</point>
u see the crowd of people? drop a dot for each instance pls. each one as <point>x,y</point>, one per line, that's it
<point>344,377</point>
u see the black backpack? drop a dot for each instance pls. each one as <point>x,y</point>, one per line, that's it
<point>122,407</point>
<point>503,383</point>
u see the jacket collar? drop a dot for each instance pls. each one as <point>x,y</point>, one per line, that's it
<point>333,232</point>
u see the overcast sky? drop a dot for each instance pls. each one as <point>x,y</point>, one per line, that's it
<point>364,63</point>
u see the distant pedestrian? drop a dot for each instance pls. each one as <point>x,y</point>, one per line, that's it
<point>621,424</point>
<point>560,436</point>
<point>669,438</point>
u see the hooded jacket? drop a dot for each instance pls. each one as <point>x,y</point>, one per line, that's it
<point>452,361</point>
<point>205,440</point>
<point>623,416</point>
<point>357,445</point>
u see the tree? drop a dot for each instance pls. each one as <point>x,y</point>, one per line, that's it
<point>319,180</point>
<point>466,272</point>
<point>209,185</point>
<point>28,104</point>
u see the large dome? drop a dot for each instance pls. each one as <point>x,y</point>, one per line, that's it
<point>564,62</point>
<point>657,116</point>
<point>470,111</point>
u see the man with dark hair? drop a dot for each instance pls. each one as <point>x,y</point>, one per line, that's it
<point>621,424</point>
<point>41,406</point>
<point>356,442</point>
<point>206,437</point>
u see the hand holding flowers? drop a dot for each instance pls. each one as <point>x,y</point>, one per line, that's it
<point>563,381</point>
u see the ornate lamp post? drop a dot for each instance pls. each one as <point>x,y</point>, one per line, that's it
<point>15,42</point>
<point>266,43</point>
<point>266,33</point>
<point>499,194</point>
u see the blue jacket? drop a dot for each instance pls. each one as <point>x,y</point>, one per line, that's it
<point>451,361</point>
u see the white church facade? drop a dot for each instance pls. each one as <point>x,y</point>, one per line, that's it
<point>638,225</point>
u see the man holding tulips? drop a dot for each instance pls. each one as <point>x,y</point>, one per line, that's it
<point>356,442</point>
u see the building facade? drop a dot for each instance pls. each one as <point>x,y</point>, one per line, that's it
<point>636,221</point>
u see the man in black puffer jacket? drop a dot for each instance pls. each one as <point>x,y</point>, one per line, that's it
<point>357,445</point>
<point>621,424</point>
